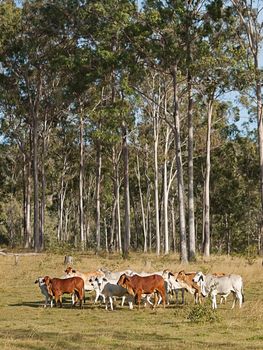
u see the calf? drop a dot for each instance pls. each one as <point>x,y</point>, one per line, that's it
<point>137,285</point>
<point>44,291</point>
<point>109,290</point>
<point>57,287</point>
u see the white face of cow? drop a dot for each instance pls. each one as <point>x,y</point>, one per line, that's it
<point>98,283</point>
<point>198,277</point>
<point>40,281</point>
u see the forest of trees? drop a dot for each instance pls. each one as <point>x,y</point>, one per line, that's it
<point>122,126</point>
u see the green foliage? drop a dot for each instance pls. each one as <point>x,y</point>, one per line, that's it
<point>203,314</point>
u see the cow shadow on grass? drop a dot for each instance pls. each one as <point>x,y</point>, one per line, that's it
<point>66,304</point>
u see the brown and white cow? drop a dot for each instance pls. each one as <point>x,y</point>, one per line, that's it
<point>57,287</point>
<point>185,279</point>
<point>137,285</point>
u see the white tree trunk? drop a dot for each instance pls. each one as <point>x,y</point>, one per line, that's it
<point>206,242</point>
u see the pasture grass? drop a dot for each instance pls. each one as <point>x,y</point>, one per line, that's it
<point>25,324</point>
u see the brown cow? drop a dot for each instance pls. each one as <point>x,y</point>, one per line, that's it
<point>57,287</point>
<point>137,285</point>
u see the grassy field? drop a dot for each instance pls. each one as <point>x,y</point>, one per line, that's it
<point>25,324</point>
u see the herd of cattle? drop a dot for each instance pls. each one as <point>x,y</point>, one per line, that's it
<point>135,287</point>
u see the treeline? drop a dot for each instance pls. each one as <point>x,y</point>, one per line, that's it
<point>114,131</point>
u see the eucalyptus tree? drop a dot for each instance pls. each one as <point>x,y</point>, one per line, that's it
<point>250,16</point>
<point>217,59</point>
<point>30,64</point>
<point>165,23</point>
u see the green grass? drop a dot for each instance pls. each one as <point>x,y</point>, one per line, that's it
<point>25,324</point>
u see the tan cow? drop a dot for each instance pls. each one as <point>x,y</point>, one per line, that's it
<point>185,279</point>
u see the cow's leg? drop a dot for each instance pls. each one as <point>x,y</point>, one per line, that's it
<point>73,299</point>
<point>111,303</point>
<point>155,300</point>
<point>162,293</point>
<point>46,300</point>
<point>196,297</point>
<point>77,297</point>
<point>97,296</point>
<point>182,290</point>
<point>139,296</point>
<point>59,298</point>
<point>176,296</point>
<point>81,299</point>
<point>106,302</point>
<point>213,297</point>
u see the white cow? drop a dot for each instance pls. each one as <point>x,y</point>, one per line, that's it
<point>173,285</point>
<point>109,290</point>
<point>223,286</point>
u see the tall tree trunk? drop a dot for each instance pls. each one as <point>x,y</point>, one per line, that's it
<point>81,180</point>
<point>173,225</point>
<point>37,243</point>
<point>43,182</point>
<point>118,233</point>
<point>98,181</point>
<point>260,143</point>
<point>206,242</point>
<point>191,211</point>
<point>142,206</point>
<point>165,193</point>
<point>126,190</point>
<point>180,179</point>
<point>156,179</point>
<point>26,202</point>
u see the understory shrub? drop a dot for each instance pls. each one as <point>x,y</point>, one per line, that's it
<point>203,313</point>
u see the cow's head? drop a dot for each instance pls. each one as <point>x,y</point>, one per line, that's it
<point>40,281</point>
<point>48,282</point>
<point>98,282</point>
<point>167,274</point>
<point>125,282</point>
<point>199,277</point>
<point>180,276</point>
<point>70,270</point>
